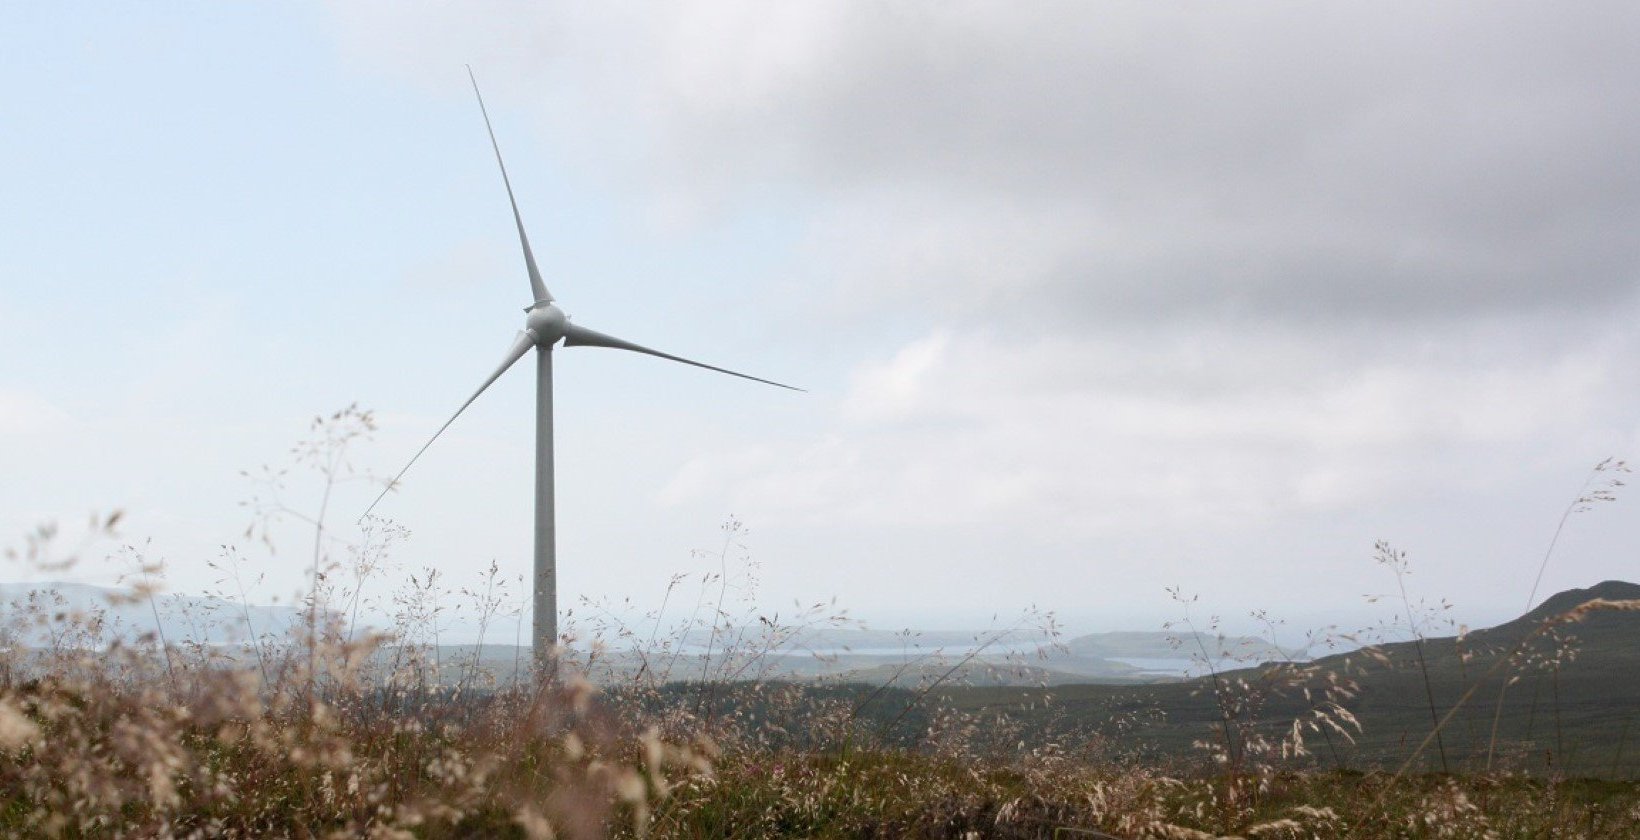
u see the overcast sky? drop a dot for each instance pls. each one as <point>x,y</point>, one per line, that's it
<point>1091,298</point>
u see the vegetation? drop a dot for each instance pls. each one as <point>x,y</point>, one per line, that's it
<point>325,728</point>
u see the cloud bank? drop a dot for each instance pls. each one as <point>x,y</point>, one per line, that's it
<point>1115,270</point>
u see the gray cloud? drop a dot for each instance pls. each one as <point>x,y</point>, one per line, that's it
<point>1287,161</point>
<point>1267,160</point>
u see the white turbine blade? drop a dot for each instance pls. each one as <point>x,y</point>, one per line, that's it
<point>538,287</point>
<point>578,336</point>
<point>521,345</point>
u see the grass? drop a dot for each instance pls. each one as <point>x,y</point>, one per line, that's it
<point>335,731</point>
<point>897,794</point>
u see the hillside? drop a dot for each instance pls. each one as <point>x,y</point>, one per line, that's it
<point>1572,695</point>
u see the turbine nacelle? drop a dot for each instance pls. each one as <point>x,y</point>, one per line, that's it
<point>546,322</point>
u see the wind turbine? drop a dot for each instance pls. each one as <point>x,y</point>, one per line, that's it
<point>544,326</point>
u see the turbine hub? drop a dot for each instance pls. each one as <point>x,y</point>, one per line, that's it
<point>547,322</point>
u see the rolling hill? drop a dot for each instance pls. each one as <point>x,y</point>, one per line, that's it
<point>1572,693</point>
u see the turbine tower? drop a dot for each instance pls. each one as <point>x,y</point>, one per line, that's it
<point>544,326</point>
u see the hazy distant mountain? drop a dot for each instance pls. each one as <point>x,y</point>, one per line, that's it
<point>1017,657</point>
<point>199,618</point>
<point>1165,645</point>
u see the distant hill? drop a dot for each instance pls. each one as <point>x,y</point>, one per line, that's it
<point>1018,657</point>
<point>199,618</point>
<point>988,674</point>
<point>1165,645</point>
<point>1009,657</point>
<point>1571,708</point>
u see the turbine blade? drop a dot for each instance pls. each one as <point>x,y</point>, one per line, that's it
<point>521,345</point>
<point>578,336</point>
<point>537,287</point>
